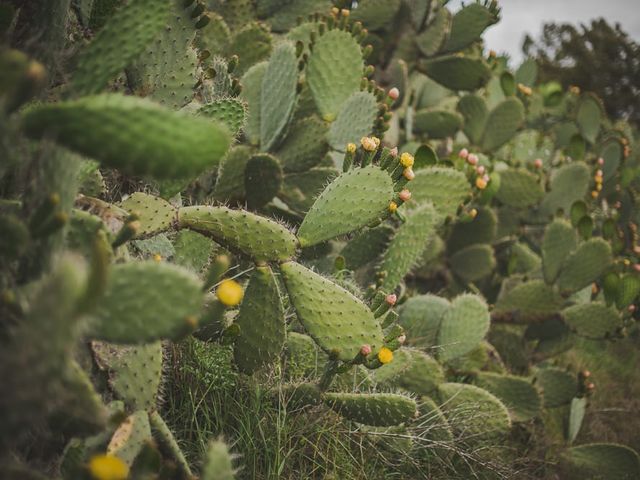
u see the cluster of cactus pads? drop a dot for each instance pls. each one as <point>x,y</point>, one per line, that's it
<point>416,241</point>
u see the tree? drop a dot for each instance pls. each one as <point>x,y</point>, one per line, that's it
<point>598,57</point>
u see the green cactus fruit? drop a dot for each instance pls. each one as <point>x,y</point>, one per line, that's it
<point>445,187</point>
<point>130,437</point>
<point>355,120</point>
<point>135,372</point>
<point>366,246</point>
<point>482,229</point>
<point>262,179</point>
<point>475,112</point>
<point>162,432</point>
<point>558,386</point>
<point>218,463</point>
<point>252,95</point>
<point>473,263</point>
<point>408,244</point>
<point>154,214</point>
<point>261,322</point>
<point>304,359</point>
<point>353,200</point>
<point>590,260</point>
<point>432,38</point>
<point>467,26</point>
<point>437,123</point>
<point>252,44</point>
<point>124,36</point>
<point>411,370</point>
<point>627,290</point>
<point>530,301</point>
<point>301,189</point>
<point>231,112</point>
<point>278,97</point>
<point>527,73</point>
<point>559,241</point>
<point>376,409</point>
<point>229,185</point>
<point>502,123</point>
<point>601,460</point>
<point>457,73</point>
<point>519,188</point>
<point>593,320</point>
<point>257,237</point>
<point>421,316</point>
<point>334,71</point>
<point>339,322</point>
<point>462,327</point>
<point>145,301</point>
<point>568,184</point>
<point>518,394</point>
<point>589,116</point>
<point>473,411</point>
<point>305,145</point>
<point>132,134</point>
<point>192,250</point>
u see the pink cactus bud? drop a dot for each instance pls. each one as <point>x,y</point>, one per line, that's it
<point>480,169</point>
<point>404,195</point>
<point>394,93</point>
<point>391,299</point>
<point>599,173</point>
<point>631,308</point>
<point>409,174</point>
<point>402,338</point>
<point>636,267</point>
<point>472,159</point>
<point>486,178</point>
<point>365,350</point>
<point>601,161</point>
<point>394,152</point>
<point>537,163</point>
<point>464,153</point>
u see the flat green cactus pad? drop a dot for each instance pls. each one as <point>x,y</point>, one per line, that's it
<point>257,237</point>
<point>559,241</point>
<point>135,372</point>
<point>502,123</point>
<point>305,145</point>
<point>527,72</point>
<point>232,112</point>
<point>334,71</point>
<point>458,73</point>
<point>125,35</point>
<point>558,386</point>
<point>278,97</point>
<point>568,184</point>
<point>585,265</point>
<point>412,370</point>
<point>130,437</point>
<point>462,327</point>
<point>262,180</point>
<point>337,320</point>
<point>154,213</point>
<point>482,229</point>
<point>445,187</point>
<point>375,14</point>
<point>261,322</point>
<point>252,44</point>
<point>473,410</point>
<point>218,463</point>
<point>408,244</point>
<point>376,409</point>
<point>436,422</point>
<point>588,117</point>
<point>593,320</point>
<point>367,246</point>
<point>519,188</point>
<point>145,301</point>
<point>475,112</point>
<point>252,95</point>
<point>301,189</point>
<point>304,358</point>
<point>601,460</point>
<point>354,121</point>
<point>353,200</point>
<point>530,301</point>
<point>288,13</point>
<point>473,263</point>
<point>421,316</point>
<point>467,26</point>
<point>229,185</point>
<point>436,123</point>
<point>517,393</point>
<point>192,250</point>
<point>432,38</point>
<point>628,290</point>
<point>132,134</point>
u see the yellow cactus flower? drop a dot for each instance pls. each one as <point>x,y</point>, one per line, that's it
<point>527,91</point>
<point>473,213</point>
<point>108,467</point>
<point>406,160</point>
<point>368,144</point>
<point>157,257</point>
<point>481,183</point>
<point>594,194</point>
<point>229,292</point>
<point>376,140</point>
<point>351,148</point>
<point>385,355</point>
<point>393,206</point>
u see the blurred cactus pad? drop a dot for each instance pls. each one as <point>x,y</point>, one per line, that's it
<point>258,239</point>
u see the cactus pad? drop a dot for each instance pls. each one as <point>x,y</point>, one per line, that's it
<point>337,320</point>
<point>354,121</point>
<point>518,395</point>
<point>252,95</point>
<point>475,112</point>
<point>585,265</point>
<point>559,241</point>
<point>592,320</point>
<point>305,145</point>
<point>502,123</point>
<point>421,316</point>
<point>558,386</point>
<point>231,112</point>
<point>230,182</point>
<point>568,184</point>
<point>467,26</point>
<point>376,409</point>
<point>411,370</point>
<point>445,187</point>
<point>192,250</point>
<point>154,214</point>
<point>437,123</point>
<point>262,180</point>
<point>129,438</point>
<point>367,246</point>
<point>589,116</point>
<point>218,463</point>
<point>601,460</point>
<point>473,263</point>
<point>519,188</point>
<point>530,301</point>
<point>458,73</point>
<point>462,327</point>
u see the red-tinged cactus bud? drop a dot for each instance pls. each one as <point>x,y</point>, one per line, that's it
<point>391,299</point>
<point>481,184</point>
<point>591,387</point>
<point>537,163</point>
<point>394,93</point>
<point>464,153</point>
<point>409,174</point>
<point>365,350</point>
<point>486,178</point>
<point>480,169</point>
<point>405,195</point>
<point>586,373</point>
<point>402,338</point>
<point>472,159</point>
<point>631,308</point>
<point>601,161</point>
<point>394,152</point>
<point>376,140</point>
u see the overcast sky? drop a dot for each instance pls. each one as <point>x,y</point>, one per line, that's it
<point>527,16</point>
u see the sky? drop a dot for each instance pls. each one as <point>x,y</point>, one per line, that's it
<point>527,16</point>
